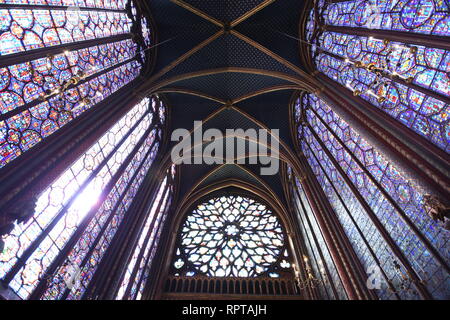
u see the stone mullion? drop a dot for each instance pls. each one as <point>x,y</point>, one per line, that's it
<point>299,246</point>
<point>36,102</point>
<point>151,287</point>
<point>357,267</point>
<point>148,257</point>
<point>380,227</point>
<point>82,227</point>
<point>319,249</point>
<point>144,246</point>
<point>418,159</point>
<point>336,251</point>
<point>105,283</point>
<point>111,216</point>
<point>29,251</point>
<point>398,80</point>
<point>359,274</point>
<point>158,281</point>
<point>433,41</point>
<point>21,57</point>
<point>388,197</point>
<point>356,225</point>
<point>36,169</point>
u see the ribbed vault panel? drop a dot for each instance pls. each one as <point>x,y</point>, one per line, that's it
<point>229,51</point>
<point>276,27</point>
<point>229,119</point>
<point>223,86</point>
<point>273,28</point>
<point>186,109</point>
<point>190,175</point>
<point>230,171</point>
<point>272,110</point>
<point>179,29</point>
<point>224,10</point>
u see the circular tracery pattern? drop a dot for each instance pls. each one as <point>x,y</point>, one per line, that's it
<point>230,236</point>
<point>416,12</point>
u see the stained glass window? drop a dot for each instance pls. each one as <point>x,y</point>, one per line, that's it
<point>77,216</point>
<point>231,236</point>
<point>137,271</point>
<point>407,81</point>
<point>23,30</point>
<point>426,67</point>
<point>341,159</point>
<point>59,63</point>
<point>420,16</point>
<point>74,4</point>
<point>319,257</point>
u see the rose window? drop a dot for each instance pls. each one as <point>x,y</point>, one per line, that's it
<point>231,236</point>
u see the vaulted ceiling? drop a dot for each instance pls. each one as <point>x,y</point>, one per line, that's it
<point>233,62</point>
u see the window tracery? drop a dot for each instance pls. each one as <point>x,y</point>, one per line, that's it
<point>60,61</point>
<point>231,236</point>
<point>77,216</point>
<point>349,169</point>
<point>409,82</point>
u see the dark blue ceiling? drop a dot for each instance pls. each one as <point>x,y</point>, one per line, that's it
<point>222,85</point>
<point>228,51</point>
<point>273,28</point>
<point>225,10</point>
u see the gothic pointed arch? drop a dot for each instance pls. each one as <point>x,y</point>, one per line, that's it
<point>358,181</point>
<point>373,51</point>
<point>222,215</point>
<point>389,63</point>
<point>77,216</point>
<point>60,61</point>
<point>260,149</point>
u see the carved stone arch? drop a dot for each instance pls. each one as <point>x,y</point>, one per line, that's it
<point>286,154</point>
<point>304,81</point>
<point>234,101</point>
<point>262,194</point>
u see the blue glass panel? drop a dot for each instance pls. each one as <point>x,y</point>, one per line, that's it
<point>148,241</point>
<point>425,115</point>
<point>352,216</point>
<point>420,16</point>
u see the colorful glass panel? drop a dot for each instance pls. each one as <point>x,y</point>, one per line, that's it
<point>148,241</point>
<point>31,80</point>
<point>404,67</point>
<point>39,95</point>
<point>427,67</point>
<point>230,236</point>
<point>425,115</point>
<point>23,131</point>
<point>348,147</point>
<point>317,247</point>
<point>420,16</point>
<point>66,206</point>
